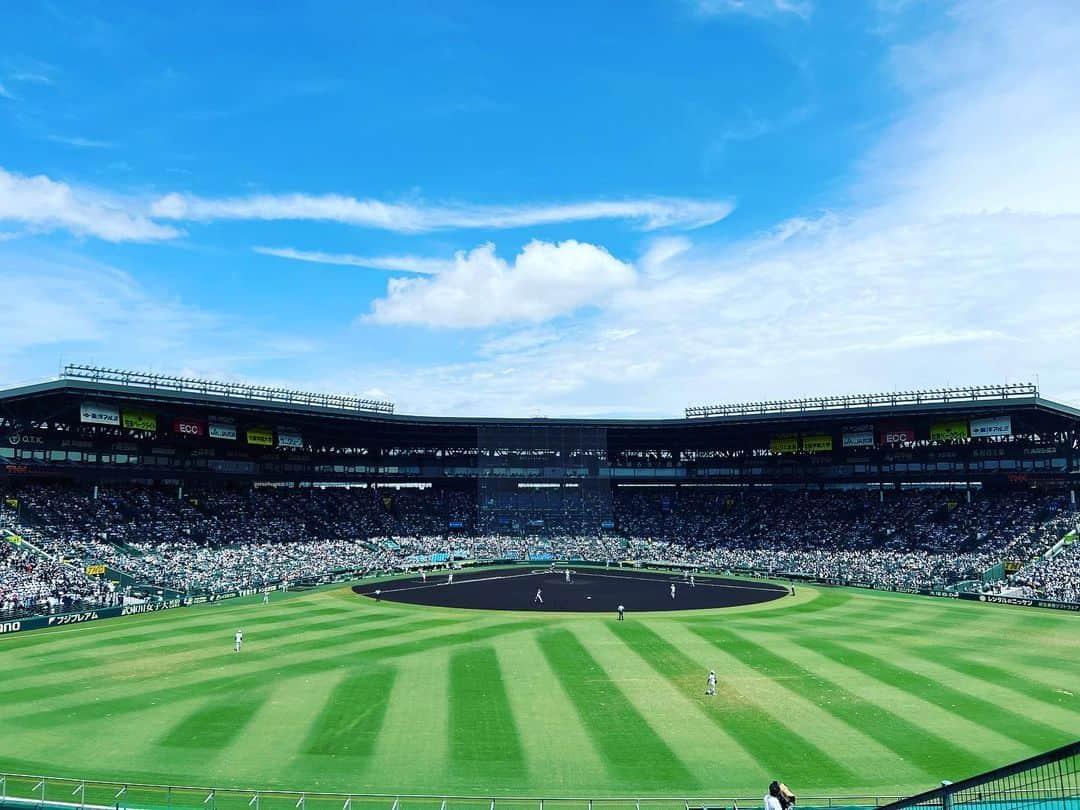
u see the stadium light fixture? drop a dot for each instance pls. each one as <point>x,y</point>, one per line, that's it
<point>981,393</point>
<point>138,379</point>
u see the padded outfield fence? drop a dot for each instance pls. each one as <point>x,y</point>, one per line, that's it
<point>1049,781</point>
<point>27,792</point>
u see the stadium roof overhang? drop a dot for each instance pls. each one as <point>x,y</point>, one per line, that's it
<point>59,399</point>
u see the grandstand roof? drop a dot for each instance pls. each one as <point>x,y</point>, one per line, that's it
<point>54,394</point>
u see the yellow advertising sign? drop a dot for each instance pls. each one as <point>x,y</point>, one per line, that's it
<point>784,443</point>
<point>949,431</point>
<point>260,436</point>
<point>817,443</point>
<point>15,538</point>
<point>95,570</point>
<point>12,502</point>
<point>139,420</point>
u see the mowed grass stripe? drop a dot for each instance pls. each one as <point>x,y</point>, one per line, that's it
<point>483,736</point>
<point>132,629</point>
<point>350,720</point>
<point>993,716</point>
<point>214,726</point>
<point>254,649</point>
<point>748,724</point>
<point>197,628</point>
<point>1026,684</point>
<point>39,672</point>
<point>553,740</point>
<point>251,677</point>
<point>633,752</point>
<point>823,600</point>
<point>904,738</point>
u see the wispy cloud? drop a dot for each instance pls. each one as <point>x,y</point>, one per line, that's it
<point>404,264</point>
<point>755,8</point>
<point>81,143</point>
<point>43,204</point>
<point>30,77</point>
<point>5,93</point>
<point>649,213</point>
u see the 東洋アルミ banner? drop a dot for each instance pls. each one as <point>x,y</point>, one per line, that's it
<point>289,438</point>
<point>94,413</point>
<point>785,443</point>
<point>222,430</point>
<point>188,427</point>
<point>948,431</point>
<point>260,436</point>
<point>897,435</point>
<point>816,443</point>
<point>859,438</point>
<point>140,420</point>
<point>991,426</point>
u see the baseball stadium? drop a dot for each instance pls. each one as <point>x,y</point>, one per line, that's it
<point>222,595</point>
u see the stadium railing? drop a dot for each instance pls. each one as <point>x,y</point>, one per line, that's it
<point>44,793</point>
<point>1049,781</point>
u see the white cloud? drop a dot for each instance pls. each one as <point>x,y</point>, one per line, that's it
<point>755,8</point>
<point>545,280</point>
<point>5,93</point>
<point>404,264</point>
<point>43,204</point>
<point>650,213</point>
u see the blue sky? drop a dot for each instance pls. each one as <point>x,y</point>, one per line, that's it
<point>470,208</point>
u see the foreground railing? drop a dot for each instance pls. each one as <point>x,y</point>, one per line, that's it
<point>1049,781</point>
<point>26,791</point>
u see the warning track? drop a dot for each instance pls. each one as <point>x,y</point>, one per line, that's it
<point>589,590</point>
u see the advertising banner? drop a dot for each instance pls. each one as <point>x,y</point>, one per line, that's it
<point>289,438</point>
<point>220,429</point>
<point>991,426</point>
<point>817,443</point>
<point>15,538</point>
<point>948,431</point>
<point>784,443</point>
<point>859,438</point>
<point>188,427</point>
<point>260,436</point>
<point>140,420</point>
<point>95,570</point>
<point>897,435</point>
<point>94,413</point>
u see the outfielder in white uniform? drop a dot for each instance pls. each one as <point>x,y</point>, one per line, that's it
<point>568,575</point>
<point>711,688</point>
<point>672,590</point>
<point>239,640</point>
<point>538,599</point>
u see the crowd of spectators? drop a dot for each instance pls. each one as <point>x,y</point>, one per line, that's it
<point>207,540</point>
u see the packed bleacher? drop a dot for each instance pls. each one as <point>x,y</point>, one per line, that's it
<point>221,539</point>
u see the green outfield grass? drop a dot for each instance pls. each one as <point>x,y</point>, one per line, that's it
<point>835,691</point>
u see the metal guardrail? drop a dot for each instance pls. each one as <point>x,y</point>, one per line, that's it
<point>23,791</point>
